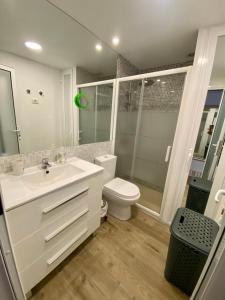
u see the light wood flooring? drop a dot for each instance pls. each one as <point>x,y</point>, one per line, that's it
<point>124,261</point>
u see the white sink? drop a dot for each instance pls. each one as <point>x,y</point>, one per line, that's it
<point>56,173</point>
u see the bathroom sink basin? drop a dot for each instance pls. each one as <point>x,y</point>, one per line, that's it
<point>53,174</point>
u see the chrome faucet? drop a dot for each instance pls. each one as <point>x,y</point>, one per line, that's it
<point>45,164</point>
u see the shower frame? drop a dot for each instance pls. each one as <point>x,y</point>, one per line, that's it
<point>96,84</point>
<point>175,185</point>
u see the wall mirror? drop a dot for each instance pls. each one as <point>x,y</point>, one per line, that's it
<point>211,136</point>
<point>37,86</point>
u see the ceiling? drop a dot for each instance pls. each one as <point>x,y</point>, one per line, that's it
<point>65,42</point>
<point>152,32</point>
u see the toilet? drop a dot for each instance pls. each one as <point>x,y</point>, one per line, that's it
<point>119,193</point>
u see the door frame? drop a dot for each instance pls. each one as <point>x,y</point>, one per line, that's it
<point>15,103</point>
<point>196,93</point>
<point>205,53</point>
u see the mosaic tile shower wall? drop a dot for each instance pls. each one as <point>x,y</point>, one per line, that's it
<point>125,68</point>
<point>162,93</point>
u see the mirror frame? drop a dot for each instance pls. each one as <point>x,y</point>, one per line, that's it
<point>114,95</point>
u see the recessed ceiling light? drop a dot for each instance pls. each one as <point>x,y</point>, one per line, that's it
<point>163,82</point>
<point>158,80</point>
<point>33,45</point>
<point>115,40</point>
<point>98,47</point>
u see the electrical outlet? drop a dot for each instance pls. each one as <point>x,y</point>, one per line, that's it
<point>35,101</point>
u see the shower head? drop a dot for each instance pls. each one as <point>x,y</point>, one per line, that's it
<point>149,82</point>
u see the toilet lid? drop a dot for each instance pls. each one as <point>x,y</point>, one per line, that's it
<point>122,188</point>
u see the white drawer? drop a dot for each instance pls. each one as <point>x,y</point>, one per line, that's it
<point>31,248</point>
<point>32,216</point>
<point>52,258</point>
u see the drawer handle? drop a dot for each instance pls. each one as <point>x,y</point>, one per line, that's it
<point>63,201</point>
<point>66,247</point>
<point>65,225</point>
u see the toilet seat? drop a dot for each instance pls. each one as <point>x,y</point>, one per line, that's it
<point>122,189</point>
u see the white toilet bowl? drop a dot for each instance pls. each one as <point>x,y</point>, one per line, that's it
<point>120,195</point>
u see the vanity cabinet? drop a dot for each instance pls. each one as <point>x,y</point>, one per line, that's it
<point>46,230</point>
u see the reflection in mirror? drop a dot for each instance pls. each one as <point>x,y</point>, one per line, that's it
<point>38,85</point>
<point>95,117</point>
<point>211,137</point>
<point>208,122</point>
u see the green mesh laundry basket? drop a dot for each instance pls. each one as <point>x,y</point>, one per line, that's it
<point>192,236</point>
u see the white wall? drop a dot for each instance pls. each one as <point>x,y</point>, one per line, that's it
<point>40,123</point>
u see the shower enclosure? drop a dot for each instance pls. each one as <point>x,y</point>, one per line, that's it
<point>147,114</point>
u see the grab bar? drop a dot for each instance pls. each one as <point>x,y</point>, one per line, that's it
<point>219,193</point>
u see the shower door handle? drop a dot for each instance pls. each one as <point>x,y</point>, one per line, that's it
<point>168,153</point>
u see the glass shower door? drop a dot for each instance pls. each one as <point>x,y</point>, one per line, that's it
<point>146,152</point>
<point>9,133</point>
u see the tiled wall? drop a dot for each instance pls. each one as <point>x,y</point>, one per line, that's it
<point>163,95</point>
<point>166,67</point>
<point>125,68</point>
<point>84,76</point>
<point>87,152</point>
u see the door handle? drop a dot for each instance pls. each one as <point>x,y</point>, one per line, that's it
<point>219,193</point>
<point>168,153</point>
<point>15,130</point>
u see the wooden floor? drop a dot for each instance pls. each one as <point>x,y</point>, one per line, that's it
<point>124,261</point>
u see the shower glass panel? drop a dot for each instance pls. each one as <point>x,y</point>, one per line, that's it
<point>147,116</point>
<point>129,97</point>
<point>104,109</point>
<point>9,143</point>
<point>87,117</point>
<point>95,119</point>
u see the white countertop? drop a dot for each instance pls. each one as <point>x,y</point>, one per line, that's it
<point>15,193</point>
